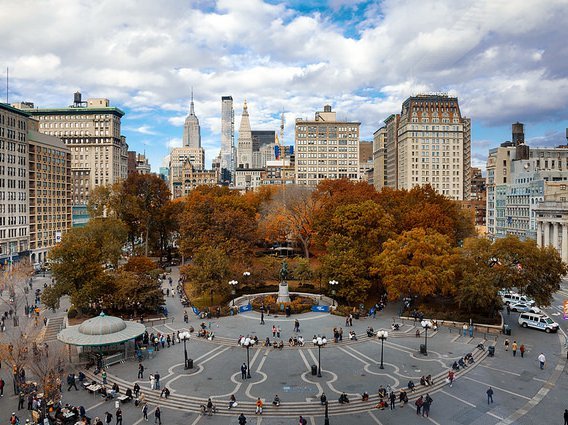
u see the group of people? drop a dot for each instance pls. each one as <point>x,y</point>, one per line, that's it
<point>514,347</point>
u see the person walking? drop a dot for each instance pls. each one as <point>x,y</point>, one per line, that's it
<point>565,416</point>
<point>157,378</point>
<point>278,330</point>
<point>104,376</point>
<point>158,416</point>
<point>2,383</point>
<point>242,419</point>
<point>514,348</point>
<point>145,412</point>
<point>273,331</point>
<point>140,371</point>
<point>489,395</point>
<point>418,403</point>
<point>506,343</point>
<point>522,350</point>
<point>426,406</point>
<point>451,376</point>
<point>262,317</point>
<point>108,418</point>
<point>118,416</point>
<point>71,382</point>
<point>541,360</point>
<point>244,371</point>
<point>392,398</point>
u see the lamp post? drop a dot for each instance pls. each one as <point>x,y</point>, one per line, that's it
<point>326,422</point>
<point>382,335</point>
<point>184,336</point>
<point>426,324</point>
<point>332,283</point>
<point>247,343</point>
<point>319,342</point>
<point>233,284</point>
<point>246,275</point>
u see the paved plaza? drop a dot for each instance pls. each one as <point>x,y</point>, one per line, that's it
<point>523,394</point>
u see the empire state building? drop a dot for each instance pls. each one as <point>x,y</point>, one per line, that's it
<point>191,129</point>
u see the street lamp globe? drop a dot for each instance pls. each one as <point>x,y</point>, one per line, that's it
<point>184,335</point>
<point>382,335</point>
<point>233,284</point>
<point>426,324</point>
<point>246,274</point>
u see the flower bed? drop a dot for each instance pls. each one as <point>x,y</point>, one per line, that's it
<point>298,304</point>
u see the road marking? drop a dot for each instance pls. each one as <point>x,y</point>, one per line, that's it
<point>372,415</point>
<point>511,373</point>
<point>353,355</point>
<point>304,359</point>
<point>96,405</point>
<point>457,398</point>
<point>197,419</point>
<point>495,416</point>
<point>142,418</point>
<point>432,420</point>
<point>497,388</point>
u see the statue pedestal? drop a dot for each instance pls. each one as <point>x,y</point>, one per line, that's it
<point>283,293</point>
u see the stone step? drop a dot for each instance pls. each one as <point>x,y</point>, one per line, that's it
<point>193,404</point>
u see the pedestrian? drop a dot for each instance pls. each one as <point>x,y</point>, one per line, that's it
<point>451,376</point>
<point>392,398</point>
<point>418,403</point>
<point>158,415</point>
<point>522,350</point>
<point>262,317</point>
<point>506,343</point>
<point>278,330</point>
<point>259,406</point>
<point>108,418</point>
<point>152,382</point>
<point>118,416</point>
<point>145,412</point>
<point>242,419</point>
<point>542,360</point>
<point>45,321</point>
<point>244,371</point>
<point>2,383</point>
<point>140,371</point>
<point>157,378</point>
<point>565,416</point>
<point>514,348</point>
<point>71,382</point>
<point>302,421</point>
<point>490,395</point>
<point>426,405</point>
<point>273,331</point>
<point>21,399</point>
<point>104,376</point>
<point>508,310</point>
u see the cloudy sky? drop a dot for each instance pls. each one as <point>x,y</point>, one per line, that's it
<point>506,60</point>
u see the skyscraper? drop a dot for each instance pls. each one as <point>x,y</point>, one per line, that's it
<point>227,138</point>
<point>244,145</point>
<point>429,143</point>
<point>191,129</point>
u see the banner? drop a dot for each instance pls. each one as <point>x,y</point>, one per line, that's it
<point>321,308</point>
<point>244,308</point>
<point>195,310</point>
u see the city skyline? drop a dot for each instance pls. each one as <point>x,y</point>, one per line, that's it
<point>501,60</point>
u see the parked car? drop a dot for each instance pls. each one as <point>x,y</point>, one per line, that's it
<point>516,298</point>
<point>523,307</point>
<point>538,321</point>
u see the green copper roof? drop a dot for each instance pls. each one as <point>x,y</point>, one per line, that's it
<point>54,111</point>
<point>12,109</point>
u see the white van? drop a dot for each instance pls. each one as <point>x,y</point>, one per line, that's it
<point>538,321</point>
<point>516,298</point>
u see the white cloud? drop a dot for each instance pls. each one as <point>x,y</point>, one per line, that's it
<point>173,143</point>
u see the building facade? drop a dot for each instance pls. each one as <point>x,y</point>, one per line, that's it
<point>50,186</point>
<point>227,157</point>
<point>429,143</point>
<point>379,158</point>
<point>142,164</point>
<point>191,178</point>
<point>191,128</point>
<point>244,143</point>
<point>179,158</point>
<point>14,200</point>
<point>326,149</point>
<point>91,130</point>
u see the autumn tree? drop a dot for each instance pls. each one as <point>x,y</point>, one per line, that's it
<point>209,271</point>
<point>477,285</point>
<point>139,202</point>
<point>289,215</point>
<point>14,279</point>
<point>220,218</point>
<point>136,292</point>
<point>77,263</point>
<point>423,207</point>
<point>417,262</point>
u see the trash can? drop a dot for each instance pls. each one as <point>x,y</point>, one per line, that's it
<point>422,348</point>
<point>190,363</point>
<point>314,370</point>
<point>506,330</point>
<point>491,350</point>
